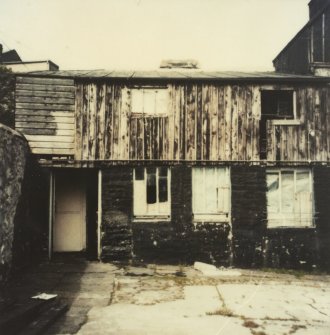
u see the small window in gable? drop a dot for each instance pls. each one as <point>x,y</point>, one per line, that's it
<point>149,101</point>
<point>152,193</point>
<point>211,194</point>
<point>289,198</point>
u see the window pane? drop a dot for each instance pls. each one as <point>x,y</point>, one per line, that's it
<point>198,189</point>
<point>302,181</point>
<point>211,190</point>
<point>303,204</point>
<point>223,187</point>
<point>161,101</point>
<point>137,101</point>
<point>149,102</point>
<point>139,173</point>
<point>151,186</point>
<point>162,171</point>
<point>287,192</point>
<point>273,194</point>
<point>162,187</point>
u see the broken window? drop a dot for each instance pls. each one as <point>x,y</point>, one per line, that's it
<point>211,193</point>
<point>289,198</point>
<point>151,193</point>
<point>149,101</point>
<point>275,105</point>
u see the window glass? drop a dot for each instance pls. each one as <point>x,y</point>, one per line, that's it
<point>273,194</point>
<point>302,183</point>
<point>139,173</point>
<point>149,106</point>
<point>163,192</point>
<point>287,192</point>
<point>137,101</point>
<point>151,186</point>
<point>289,198</point>
<point>149,101</point>
<point>161,101</point>
<point>198,189</point>
<point>210,190</point>
<point>151,191</point>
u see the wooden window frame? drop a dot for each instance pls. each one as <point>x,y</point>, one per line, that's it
<point>153,90</point>
<point>288,122</point>
<point>220,216</point>
<point>152,217</point>
<point>282,216</point>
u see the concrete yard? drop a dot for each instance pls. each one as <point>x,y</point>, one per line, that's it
<point>179,300</point>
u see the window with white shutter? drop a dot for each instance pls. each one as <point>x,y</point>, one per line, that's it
<point>211,194</point>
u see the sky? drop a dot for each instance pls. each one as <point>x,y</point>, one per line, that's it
<point>137,34</point>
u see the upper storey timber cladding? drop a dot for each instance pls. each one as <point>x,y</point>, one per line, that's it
<point>204,117</point>
<point>45,114</point>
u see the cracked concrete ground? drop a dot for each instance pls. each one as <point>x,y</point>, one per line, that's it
<point>168,300</point>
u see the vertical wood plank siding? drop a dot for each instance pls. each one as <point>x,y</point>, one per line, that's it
<point>45,114</point>
<point>204,122</point>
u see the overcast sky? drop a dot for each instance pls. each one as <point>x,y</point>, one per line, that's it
<point>138,34</point>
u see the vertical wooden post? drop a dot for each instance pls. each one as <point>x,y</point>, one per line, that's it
<point>51,212</point>
<point>99,213</point>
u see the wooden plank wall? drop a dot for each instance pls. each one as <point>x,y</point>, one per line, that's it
<point>309,141</point>
<point>45,114</point>
<point>204,122</point>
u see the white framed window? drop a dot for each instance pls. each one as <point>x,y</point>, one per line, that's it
<point>211,194</point>
<point>149,101</point>
<point>289,198</point>
<point>152,193</point>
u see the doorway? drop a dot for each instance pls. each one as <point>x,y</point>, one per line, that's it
<point>75,212</point>
<point>69,230</point>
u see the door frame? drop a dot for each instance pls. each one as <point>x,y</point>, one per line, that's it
<point>51,209</point>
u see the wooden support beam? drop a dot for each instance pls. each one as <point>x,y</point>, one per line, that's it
<point>99,213</point>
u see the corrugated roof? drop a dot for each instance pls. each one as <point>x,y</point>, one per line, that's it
<point>174,74</point>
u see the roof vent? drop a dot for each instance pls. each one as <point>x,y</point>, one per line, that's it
<point>179,64</point>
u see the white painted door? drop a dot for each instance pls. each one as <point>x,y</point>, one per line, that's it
<point>69,233</point>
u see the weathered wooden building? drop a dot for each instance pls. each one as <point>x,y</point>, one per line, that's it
<point>185,165</point>
<point>177,166</point>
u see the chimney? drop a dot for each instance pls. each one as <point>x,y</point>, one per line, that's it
<point>179,64</point>
<point>315,6</point>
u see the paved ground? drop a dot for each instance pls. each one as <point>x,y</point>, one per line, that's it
<point>173,300</point>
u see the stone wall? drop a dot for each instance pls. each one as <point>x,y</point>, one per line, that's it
<point>14,152</point>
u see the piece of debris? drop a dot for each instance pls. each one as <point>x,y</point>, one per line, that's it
<point>212,271</point>
<point>44,296</point>
<point>136,271</point>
